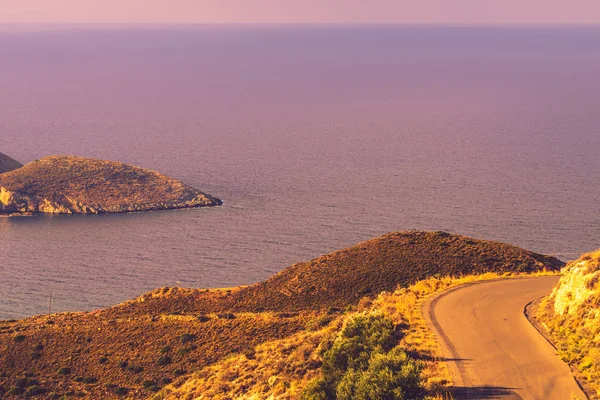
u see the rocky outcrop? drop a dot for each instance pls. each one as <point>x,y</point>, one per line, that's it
<point>578,285</point>
<point>76,185</point>
<point>571,314</point>
<point>8,164</point>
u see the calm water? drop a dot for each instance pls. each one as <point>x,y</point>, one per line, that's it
<point>315,138</point>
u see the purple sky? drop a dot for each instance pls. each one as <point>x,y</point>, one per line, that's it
<point>300,11</point>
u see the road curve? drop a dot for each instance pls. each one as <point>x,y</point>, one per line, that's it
<point>492,350</point>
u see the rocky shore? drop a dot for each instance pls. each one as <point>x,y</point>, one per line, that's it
<point>77,185</point>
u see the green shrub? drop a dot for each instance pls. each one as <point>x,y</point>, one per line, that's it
<point>317,389</point>
<point>102,360</point>
<point>64,371</point>
<point>389,376</point>
<point>360,338</point>
<point>363,364</point>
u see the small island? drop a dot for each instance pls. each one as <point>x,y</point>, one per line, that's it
<point>8,164</point>
<point>77,185</point>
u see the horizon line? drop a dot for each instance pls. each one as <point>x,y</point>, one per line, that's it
<point>80,25</point>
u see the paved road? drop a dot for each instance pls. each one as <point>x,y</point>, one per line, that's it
<point>493,350</point>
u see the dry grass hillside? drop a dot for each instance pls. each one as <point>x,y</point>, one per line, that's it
<point>344,277</point>
<point>572,316</point>
<point>8,164</point>
<point>134,349</point>
<point>285,368</point>
<point>76,185</point>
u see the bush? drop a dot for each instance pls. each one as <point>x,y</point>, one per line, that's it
<point>203,318</point>
<point>319,322</point>
<point>102,360</point>
<point>389,376</point>
<point>121,391</point>
<point>19,338</point>
<point>317,389</point>
<point>187,337</point>
<point>16,390</point>
<point>35,390</point>
<point>148,384</point>
<point>183,351</point>
<point>361,337</point>
<point>136,369</point>
<point>363,364</point>
<point>64,371</point>
<point>250,353</point>
<point>164,360</point>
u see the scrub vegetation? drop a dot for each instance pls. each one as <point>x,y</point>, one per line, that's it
<point>231,343</point>
<point>77,185</point>
<point>571,316</point>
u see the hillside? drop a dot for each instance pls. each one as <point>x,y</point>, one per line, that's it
<point>572,316</point>
<point>76,185</point>
<point>381,264</point>
<point>8,164</point>
<point>136,348</point>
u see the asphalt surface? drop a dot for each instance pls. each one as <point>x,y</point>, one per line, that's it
<point>492,350</point>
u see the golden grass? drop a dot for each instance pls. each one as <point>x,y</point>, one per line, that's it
<point>262,339</point>
<point>281,369</point>
<point>571,315</point>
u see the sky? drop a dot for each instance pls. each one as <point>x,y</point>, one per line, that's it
<point>470,12</point>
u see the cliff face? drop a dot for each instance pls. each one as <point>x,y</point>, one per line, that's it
<point>572,315</point>
<point>76,185</point>
<point>8,164</point>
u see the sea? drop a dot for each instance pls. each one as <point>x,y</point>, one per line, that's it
<point>315,138</point>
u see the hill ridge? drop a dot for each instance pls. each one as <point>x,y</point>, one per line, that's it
<point>345,276</point>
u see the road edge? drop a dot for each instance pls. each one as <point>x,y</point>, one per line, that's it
<point>529,312</point>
